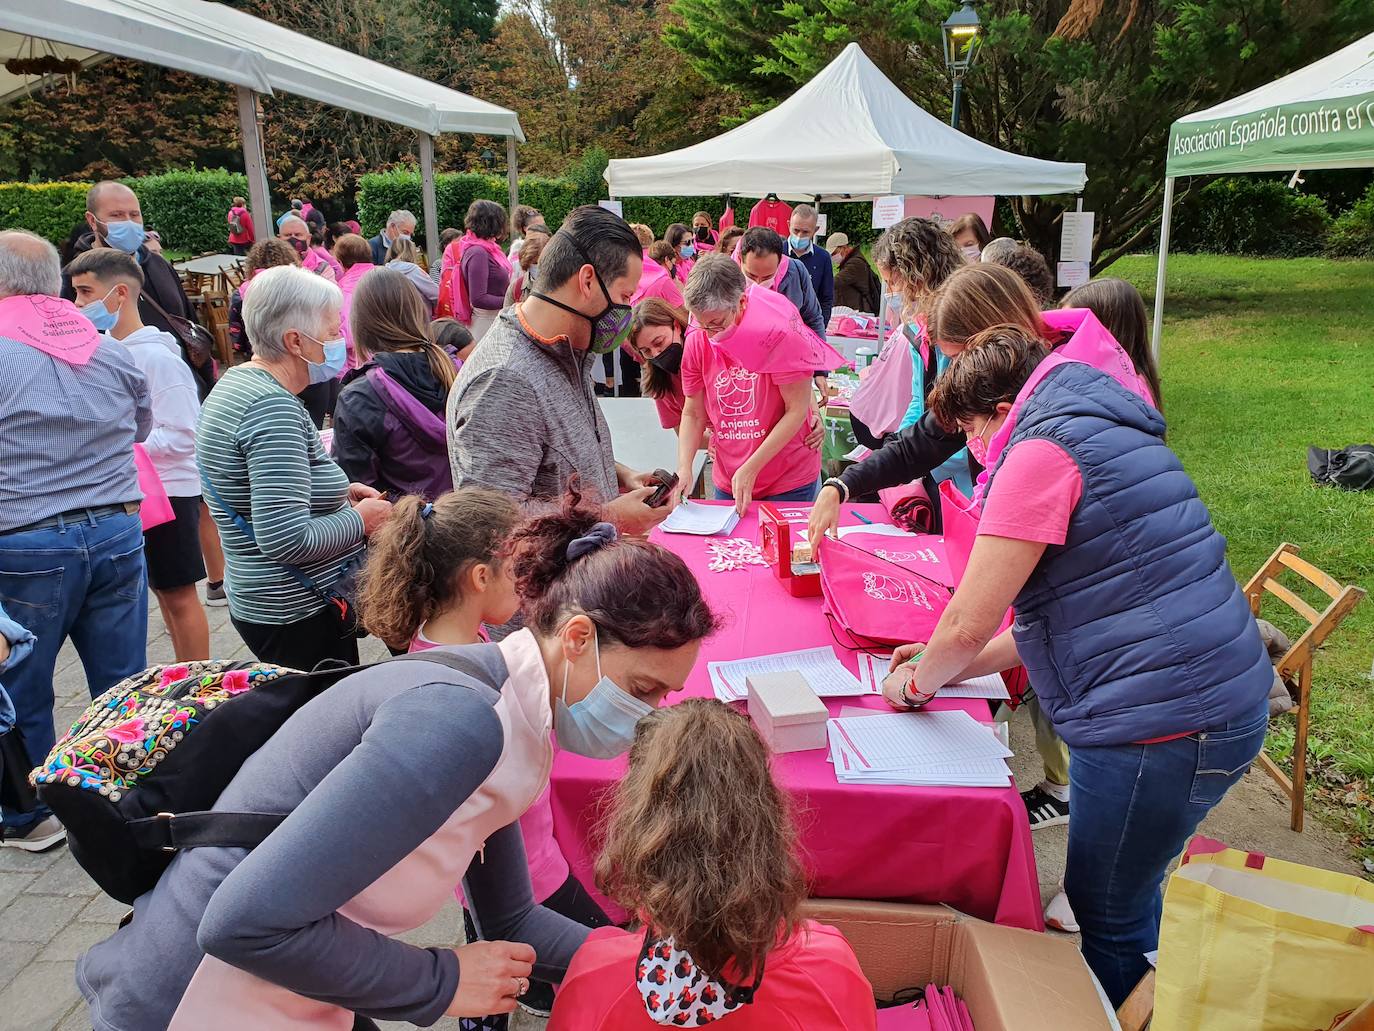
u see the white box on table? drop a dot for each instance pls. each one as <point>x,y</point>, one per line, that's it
<point>787,712</point>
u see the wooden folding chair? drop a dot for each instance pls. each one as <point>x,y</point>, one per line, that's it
<point>216,311</point>
<point>1134,1014</point>
<point>1297,661</point>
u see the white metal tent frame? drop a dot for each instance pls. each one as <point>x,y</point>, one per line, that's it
<point>849,134</point>
<point>259,59</point>
<point>1320,116</point>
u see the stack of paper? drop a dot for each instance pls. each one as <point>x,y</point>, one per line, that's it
<point>919,748</point>
<point>819,667</point>
<point>704,520</point>
<point>873,670</point>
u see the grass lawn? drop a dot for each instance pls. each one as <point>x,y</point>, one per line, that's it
<point>1262,358</point>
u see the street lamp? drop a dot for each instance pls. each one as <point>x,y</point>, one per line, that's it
<point>962,32</point>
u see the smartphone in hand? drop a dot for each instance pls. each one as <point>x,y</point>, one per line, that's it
<point>666,482</point>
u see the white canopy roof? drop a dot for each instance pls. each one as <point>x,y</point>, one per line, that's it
<point>848,133</point>
<point>1321,116</point>
<point>221,43</point>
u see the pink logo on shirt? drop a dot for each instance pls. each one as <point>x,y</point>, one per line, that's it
<point>50,324</point>
<point>887,588</point>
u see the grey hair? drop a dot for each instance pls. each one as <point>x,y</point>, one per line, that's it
<point>286,297</point>
<point>806,211</point>
<point>999,248</point>
<point>28,265</point>
<point>401,215</point>
<point>293,218</point>
<point>715,284</point>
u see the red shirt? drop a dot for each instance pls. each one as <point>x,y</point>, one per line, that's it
<point>810,983</point>
<point>774,214</point>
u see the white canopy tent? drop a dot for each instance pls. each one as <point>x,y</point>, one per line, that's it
<point>257,57</point>
<point>848,134</point>
<point>1321,116</point>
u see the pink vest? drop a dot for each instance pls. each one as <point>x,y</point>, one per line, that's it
<point>348,282</point>
<point>223,998</point>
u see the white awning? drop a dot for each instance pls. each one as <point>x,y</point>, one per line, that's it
<point>218,42</point>
<point>849,133</point>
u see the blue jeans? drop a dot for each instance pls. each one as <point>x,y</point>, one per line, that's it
<point>1134,808</point>
<point>807,493</point>
<point>84,580</point>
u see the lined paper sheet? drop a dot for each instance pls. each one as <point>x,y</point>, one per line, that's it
<point>905,739</point>
<point>704,520</point>
<point>820,667</point>
<point>873,671</point>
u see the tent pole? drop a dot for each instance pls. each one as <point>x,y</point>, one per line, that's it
<point>1158,327</point>
<point>431,208</point>
<point>512,173</point>
<point>259,200</point>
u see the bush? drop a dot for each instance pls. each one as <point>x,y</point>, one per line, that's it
<point>1352,235</point>
<point>188,207</point>
<point>381,193</point>
<point>1244,215</point>
<point>49,209</point>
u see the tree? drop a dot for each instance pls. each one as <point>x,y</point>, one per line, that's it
<point>477,17</point>
<point>1074,81</point>
<point>728,42</point>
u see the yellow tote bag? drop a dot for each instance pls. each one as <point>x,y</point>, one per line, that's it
<point>1250,943</point>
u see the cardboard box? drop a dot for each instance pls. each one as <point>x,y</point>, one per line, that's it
<point>787,712</point>
<point>1011,979</point>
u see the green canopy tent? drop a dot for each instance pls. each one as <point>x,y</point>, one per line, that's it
<point>1321,116</point>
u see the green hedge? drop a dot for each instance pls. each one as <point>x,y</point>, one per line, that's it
<point>1352,235</point>
<point>188,207</point>
<point>1245,215</point>
<point>381,193</point>
<point>51,210</point>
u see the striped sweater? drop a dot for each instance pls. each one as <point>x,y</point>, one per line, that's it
<point>257,447</point>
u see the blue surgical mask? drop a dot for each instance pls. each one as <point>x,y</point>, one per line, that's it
<point>601,725</point>
<point>688,250</point>
<point>335,358</point>
<point>125,236</point>
<point>101,317</point>
<point>800,244</point>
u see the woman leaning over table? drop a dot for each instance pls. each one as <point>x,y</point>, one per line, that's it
<point>1133,632</point>
<point>399,781</point>
<point>261,459</point>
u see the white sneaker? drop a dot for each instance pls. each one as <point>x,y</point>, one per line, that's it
<point>1059,914</point>
<point>42,836</point>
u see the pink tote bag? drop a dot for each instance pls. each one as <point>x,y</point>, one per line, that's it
<point>878,601</point>
<point>155,509</point>
<point>884,391</point>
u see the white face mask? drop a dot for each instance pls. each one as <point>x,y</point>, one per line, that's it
<point>972,252</point>
<point>601,725</point>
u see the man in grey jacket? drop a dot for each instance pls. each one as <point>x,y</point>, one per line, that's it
<point>523,416</point>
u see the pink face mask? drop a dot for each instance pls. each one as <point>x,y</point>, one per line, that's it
<point>977,446</point>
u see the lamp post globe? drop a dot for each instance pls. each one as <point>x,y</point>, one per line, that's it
<point>962,32</point>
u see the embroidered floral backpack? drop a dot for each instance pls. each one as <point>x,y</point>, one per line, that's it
<point>135,777</point>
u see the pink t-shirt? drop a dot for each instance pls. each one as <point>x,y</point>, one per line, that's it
<point>742,407</point>
<point>670,406</point>
<point>1033,494</point>
<point>548,867</point>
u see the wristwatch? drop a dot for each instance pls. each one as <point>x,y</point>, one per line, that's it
<point>839,485</point>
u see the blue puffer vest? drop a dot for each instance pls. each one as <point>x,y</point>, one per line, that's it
<point>1134,627</point>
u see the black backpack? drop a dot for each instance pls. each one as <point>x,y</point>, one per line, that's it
<point>135,777</point>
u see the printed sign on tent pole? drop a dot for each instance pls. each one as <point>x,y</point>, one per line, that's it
<point>615,207</point>
<point>1076,236</point>
<point>888,211</point>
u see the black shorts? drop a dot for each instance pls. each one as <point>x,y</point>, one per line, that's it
<point>173,549</point>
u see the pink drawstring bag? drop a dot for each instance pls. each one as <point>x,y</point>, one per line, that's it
<point>772,338</point>
<point>879,601</point>
<point>884,391</point>
<point>156,509</point>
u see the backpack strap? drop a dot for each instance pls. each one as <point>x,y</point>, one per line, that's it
<point>172,832</point>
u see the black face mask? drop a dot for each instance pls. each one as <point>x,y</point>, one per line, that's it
<point>612,325</point>
<point>300,245</point>
<point>669,359</point>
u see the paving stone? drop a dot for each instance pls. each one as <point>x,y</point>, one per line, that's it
<point>444,930</point>
<point>74,940</point>
<point>65,878</point>
<point>11,884</point>
<point>79,1019</point>
<point>14,956</point>
<point>104,910</point>
<point>16,860</point>
<point>38,998</point>
<point>39,918</point>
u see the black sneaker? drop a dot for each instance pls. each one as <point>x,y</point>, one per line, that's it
<point>1043,809</point>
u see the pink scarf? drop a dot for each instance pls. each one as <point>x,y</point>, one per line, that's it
<point>50,324</point>
<point>462,307</point>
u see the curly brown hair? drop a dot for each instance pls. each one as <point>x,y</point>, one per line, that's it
<point>699,839</point>
<point>991,370</point>
<point>268,253</point>
<point>1031,266</point>
<point>414,564</point>
<point>922,254</point>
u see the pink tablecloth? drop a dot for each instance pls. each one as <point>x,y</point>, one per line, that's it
<point>967,847</point>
